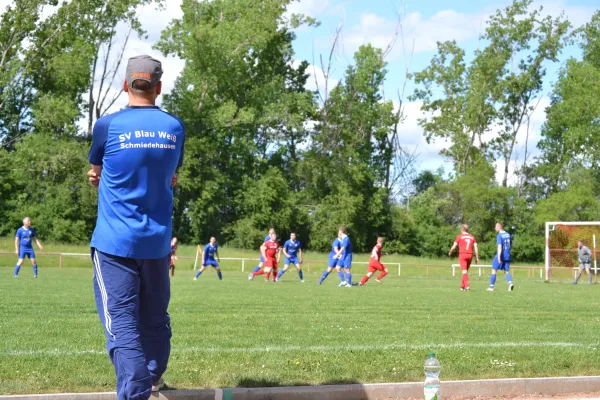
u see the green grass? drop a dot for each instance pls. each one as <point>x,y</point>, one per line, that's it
<point>52,340</point>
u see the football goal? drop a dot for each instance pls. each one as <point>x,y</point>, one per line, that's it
<point>561,244</point>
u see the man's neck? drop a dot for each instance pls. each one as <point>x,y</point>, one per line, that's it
<point>141,102</point>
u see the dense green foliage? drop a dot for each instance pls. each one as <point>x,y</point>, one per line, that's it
<point>263,151</point>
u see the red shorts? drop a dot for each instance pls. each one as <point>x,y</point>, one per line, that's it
<point>271,263</point>
<point>465,261</point>
<point>376,265</point>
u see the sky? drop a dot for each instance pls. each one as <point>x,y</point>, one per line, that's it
<point>422,22</point>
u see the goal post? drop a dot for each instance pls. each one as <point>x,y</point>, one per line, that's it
<point>561,244</point>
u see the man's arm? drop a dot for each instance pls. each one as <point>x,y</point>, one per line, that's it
<point>94,175</point>
<point>285,253</point>
<point>476,253</point>
<point>279,254</point>
<point>39,244</point>
<point>374,253</point>
<point>263,249</point>
<point>217,254</point>
<point>96,154</point>
<point>300,255</point>
<point>17,242</point>
<point>452,249</point>
<point>499,253</point>
<point>339,252</point>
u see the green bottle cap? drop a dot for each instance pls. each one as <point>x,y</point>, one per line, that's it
<point>431,355</point>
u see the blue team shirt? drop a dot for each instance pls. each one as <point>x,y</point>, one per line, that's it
<point>209,251</point>
<point>139,148</point>
<point>504,239</point>
<point>267,238</point>
<point>347,245</point>
<point>292,247</point>
<point>335,247</point>
<point>25,237</point>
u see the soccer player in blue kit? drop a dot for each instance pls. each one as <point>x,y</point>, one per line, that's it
<point>345,258</point>
<point>208,258</point>
<point>502,260</point>
<point>332,262</point>
<point>24,247</point>
<point>292,251</point>
<point>135,154</point>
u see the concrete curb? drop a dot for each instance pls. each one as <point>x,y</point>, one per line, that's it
<point>492,387</point>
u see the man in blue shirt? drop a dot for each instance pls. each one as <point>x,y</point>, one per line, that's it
<point>134,155</point>
<point>24,246</point>
<point>502,259</point>
<point>208,258</point>
<point>292,251</point>
<point>345,258</point>
<point>332,262</point>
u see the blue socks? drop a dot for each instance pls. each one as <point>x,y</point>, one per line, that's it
<point>341,275</point>
<point>325,275</point>
<point>220,275</point>
<point>34,269</point>
<point>17,268</point>
<point>198,274</point>
<point>492,280</point>
<point>256,269</point>
<point>509,277</point>
<point>280,273</point>
<point>349,278</point>
<point>302,277</point>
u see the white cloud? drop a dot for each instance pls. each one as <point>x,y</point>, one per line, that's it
<point>311,8</point>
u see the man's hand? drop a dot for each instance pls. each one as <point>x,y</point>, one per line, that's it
<point>477,260</point>
<point>94,175</point>
<point>174,180</point>
<point>449,254</point>
<point>41,248</point>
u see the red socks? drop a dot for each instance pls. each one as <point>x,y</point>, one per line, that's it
<point>259,272</point>
<point>465,281</point>
<point>382,274</point>
<point>364,279</point>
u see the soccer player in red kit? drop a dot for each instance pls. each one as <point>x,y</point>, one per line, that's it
<point>375,264</point>
<point>271,252</point>
<point>466,243</point>
<point>173,257</point>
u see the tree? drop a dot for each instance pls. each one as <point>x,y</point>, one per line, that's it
<point>242,100</point>
<point>462,102</point>
<point>457,102</point>
<point>523,38</point>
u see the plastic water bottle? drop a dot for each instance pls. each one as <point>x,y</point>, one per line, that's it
<point>432,378</point>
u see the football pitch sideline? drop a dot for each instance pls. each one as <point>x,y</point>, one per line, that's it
<point>236,333</point>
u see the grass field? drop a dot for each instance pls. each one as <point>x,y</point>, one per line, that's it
<point>239,333</point>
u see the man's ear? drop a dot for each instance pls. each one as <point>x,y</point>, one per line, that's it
<point>125,86</point>
<point>159,87</point>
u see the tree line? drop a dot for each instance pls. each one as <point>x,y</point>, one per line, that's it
<point>262,150</point>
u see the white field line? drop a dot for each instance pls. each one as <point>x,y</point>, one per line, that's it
<point>367,347</point>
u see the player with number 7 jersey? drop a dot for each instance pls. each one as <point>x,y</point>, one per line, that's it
<point>466,244</point>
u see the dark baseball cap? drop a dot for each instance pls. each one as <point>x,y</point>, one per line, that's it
<point>143,68</point>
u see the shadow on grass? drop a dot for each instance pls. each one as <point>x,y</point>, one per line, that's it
<point>261,383</point>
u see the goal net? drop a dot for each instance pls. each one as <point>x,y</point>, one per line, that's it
<point>561,244</point>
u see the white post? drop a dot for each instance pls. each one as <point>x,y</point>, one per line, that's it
<point>399,269</point>
<point>196,262</point>
<point>547,251</point>
<point>243,261</point>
